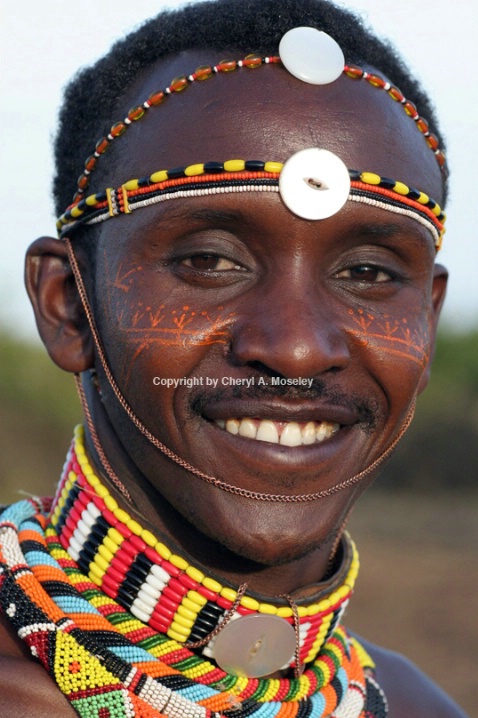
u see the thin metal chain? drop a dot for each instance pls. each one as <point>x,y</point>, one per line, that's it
<point>227,618</point>
<point>295,611</point>
<point>96,441</point>
<point>229,488</point>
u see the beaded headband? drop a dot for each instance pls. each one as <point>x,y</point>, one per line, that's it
<point>327,185</point>
<point>308,54</point>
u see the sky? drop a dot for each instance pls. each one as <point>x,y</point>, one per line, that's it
<point>42,44</point>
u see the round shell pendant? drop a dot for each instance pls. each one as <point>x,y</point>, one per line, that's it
<point>314,183</point>
<point>255,646</point>
<point>311,55</point>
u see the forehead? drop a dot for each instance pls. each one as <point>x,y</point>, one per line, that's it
<point>267,114</point>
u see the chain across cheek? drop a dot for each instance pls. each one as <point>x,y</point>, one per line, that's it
<point>398,338</point>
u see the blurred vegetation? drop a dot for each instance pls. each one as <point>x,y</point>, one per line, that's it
<point>39,407</point>
<point>440,451</point>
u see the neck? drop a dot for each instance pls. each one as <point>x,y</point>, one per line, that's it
<point>150,508</point>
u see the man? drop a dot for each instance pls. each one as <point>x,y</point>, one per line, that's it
<point>250,344</point>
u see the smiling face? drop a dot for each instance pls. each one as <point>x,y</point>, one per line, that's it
<point>297,346</point>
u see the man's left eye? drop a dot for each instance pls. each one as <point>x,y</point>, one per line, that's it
<point>209,263</point>
<point>366,273</point>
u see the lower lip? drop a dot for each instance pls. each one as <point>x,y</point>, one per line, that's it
<point>272,455</point>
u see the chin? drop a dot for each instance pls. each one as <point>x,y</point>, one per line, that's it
<point>263,545</point>
<point>274,554</point>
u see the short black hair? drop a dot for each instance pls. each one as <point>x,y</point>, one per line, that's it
<point>92,99</point>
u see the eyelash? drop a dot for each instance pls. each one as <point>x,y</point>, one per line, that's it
<point>391,276</point>
<point>211,256</point>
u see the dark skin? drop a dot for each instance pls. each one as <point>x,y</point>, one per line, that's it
<point>186,289</point>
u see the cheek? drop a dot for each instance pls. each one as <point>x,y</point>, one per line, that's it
<point>153,332</point>
<point>398,346</point>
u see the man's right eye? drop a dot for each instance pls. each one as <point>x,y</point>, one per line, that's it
<point>209,263</point>
<point>366,273</point>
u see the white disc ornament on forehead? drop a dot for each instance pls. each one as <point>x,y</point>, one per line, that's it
<point>254,646</point>
<point>311,55</point>
<point>314,183</point>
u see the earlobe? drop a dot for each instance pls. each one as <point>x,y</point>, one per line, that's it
<point>58,312</point>
<point>440,279</point>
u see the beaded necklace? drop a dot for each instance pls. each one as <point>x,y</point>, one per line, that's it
<point>162,588</point>
<point>112,664</point>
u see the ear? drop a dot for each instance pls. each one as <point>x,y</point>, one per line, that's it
<point>59,314</point>
<point>440,280</point>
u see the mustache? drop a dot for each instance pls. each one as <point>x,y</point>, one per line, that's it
<point>366,408</point>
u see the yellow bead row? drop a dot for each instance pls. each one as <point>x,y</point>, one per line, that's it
<point>365,660</point>
<point>60,503</point>
<point>320,638</point>
<point>402,189</point>
<point>195,170</point>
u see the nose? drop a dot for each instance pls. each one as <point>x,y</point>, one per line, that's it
<point>292,328</point>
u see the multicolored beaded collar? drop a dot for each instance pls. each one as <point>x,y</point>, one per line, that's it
<point>161,587</point>
<point>253,175</point>
<point>110,664</point>
<point>296,62</point>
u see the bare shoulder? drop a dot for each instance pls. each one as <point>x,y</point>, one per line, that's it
<point>26,690</point>
<point>410,693</point>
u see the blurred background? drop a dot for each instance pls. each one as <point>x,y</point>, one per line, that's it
<point>417,529</point>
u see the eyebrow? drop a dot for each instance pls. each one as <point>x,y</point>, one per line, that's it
<point>204,214</point>
<point>374,229</point>
<point>391,230</point>
<point>220,216</point>
<point>405,232</point>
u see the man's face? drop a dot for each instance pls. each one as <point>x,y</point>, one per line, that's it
<point>232,291</point>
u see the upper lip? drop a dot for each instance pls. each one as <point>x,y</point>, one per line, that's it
<point>279,410</point>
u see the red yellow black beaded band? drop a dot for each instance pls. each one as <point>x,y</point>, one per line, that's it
<point>244,176</point>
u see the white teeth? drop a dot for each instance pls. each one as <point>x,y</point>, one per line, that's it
<point>286,433</point>
<point>326,430</point>
<point>267,431</point>
<point>248,429</point>
<point>291,435</point>
<point>308,433</point>
<point>321,433</point>
<point>232,426</point>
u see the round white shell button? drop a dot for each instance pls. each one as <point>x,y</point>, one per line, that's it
<point>314,183</point>
<point>311,55</point>
<point>254,646</point>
